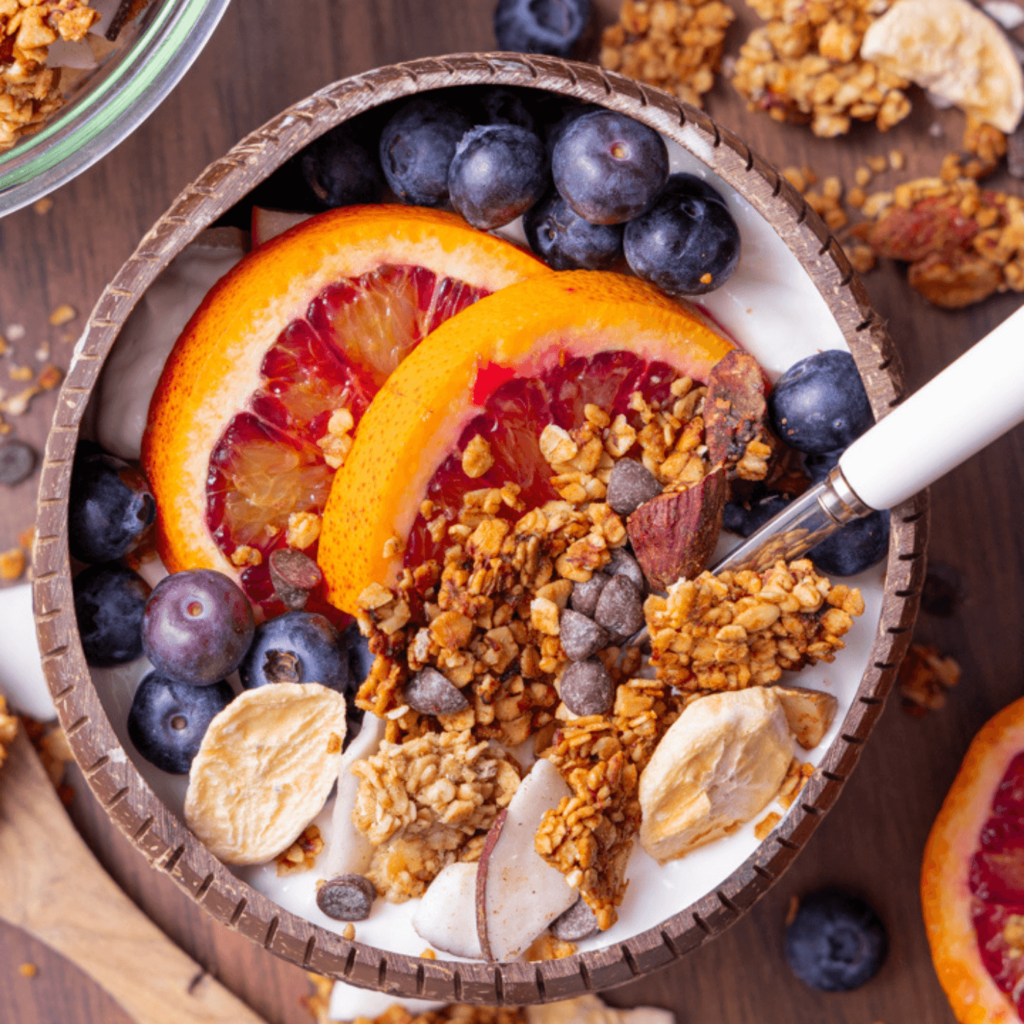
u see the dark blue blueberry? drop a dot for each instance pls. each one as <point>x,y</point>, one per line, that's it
<point>168,719</point>
<point>855,547</point>
<point>297,647</point>
<point>608,167</point>
<point>836,942</point>
<point>110,507</point>
<point>819,404</point>
<point>417,146</point>
<point>498,172</point>
<point>197,626</point>
<point>744,518</point>
<point>565,241</point>
<point>553,27</point>
<point>819,466</point>
<point>341,169</point>
<point>687,243</point>
<point>109,604</point>
<point>555,129</point>
<point>360,656</point>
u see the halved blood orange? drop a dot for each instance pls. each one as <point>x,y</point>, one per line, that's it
<point>972,879</point>
<point>533,354</point>
<point>308,324</point>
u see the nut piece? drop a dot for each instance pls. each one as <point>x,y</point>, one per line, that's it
<point>264,770</point>
<point>585,595</point>
<point>718,766</point>
<point>587,688</point>
<point>430,693</point>
<point>631,484</point>
<point>620,607</point>
<point>809,713</point>
<point>581,637</point>
<point>347,898</point>
<point>578,922</point>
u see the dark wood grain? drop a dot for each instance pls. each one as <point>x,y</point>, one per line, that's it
<point>873,842</point>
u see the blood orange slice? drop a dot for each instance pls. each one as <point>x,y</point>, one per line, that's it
<point>258,400</point>
<point>536,354</point>
<point>972,879</point>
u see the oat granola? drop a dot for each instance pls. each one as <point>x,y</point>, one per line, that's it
<point>8,729</point>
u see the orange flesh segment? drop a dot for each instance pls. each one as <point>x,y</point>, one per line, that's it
<point>418,418</point>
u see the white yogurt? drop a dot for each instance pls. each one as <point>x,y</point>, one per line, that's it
<point>774,310</point>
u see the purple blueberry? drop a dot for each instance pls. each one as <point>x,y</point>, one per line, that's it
<point>744,518</point>
<point>110,508</point>
<point>498,172</point>
<point>819,404</point>
<point>819,466</point>
<point>554,27</point>
<point>340,169</point>
<point>687,243</point>
<point>109,604</point>
<point>417,147</point>
<point>609,167</point>
<point>836,942</point>
<point>565,241</point>
<point>855,547</point>
<point>197,626</point>
<point>297,647</point>
<point>169,718</point>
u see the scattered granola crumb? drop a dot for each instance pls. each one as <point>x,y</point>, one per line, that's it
<point>42,353</point>
<point>477,457</point>
<point>547,947</point>
<point>63,314</point>
<point>12,564</point>
<point>43,206</point>
<point>764,827</point>
<point>8,729</point>
<point>49,377</point>
<point>303,529</point>
<point>244,556</point>
<point>428,954</point>
<point>20,373</point>
<point>28,970</point>
<point>924,677</point>
<point>349,931</point>
<point>15,332</point>
<point>896,159</point>
<point>792,909</point>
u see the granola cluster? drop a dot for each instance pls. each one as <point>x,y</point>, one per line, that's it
<point>422,802</point>
<point>744,629</point>
<point>8,729</point>
<point>29,90</point>
<point>804,66</point>
<point>673,44</point>
<point>302,854</point>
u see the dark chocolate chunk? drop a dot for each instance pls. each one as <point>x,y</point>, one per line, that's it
<point>622,563</point>
<point>631,484</point>
<point>293,575</point>
<point>620,608</point>
<point>347,897</point>
<point>587,688</point>
<point>17,460</point>
<point>581,637</point>
<point>578,922</point>
<point>430,693</point>
<point>585,595</point>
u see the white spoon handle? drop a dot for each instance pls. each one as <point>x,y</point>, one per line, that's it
<point>966,407</point>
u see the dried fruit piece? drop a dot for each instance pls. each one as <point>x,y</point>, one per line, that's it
<point>809,713</point>
<point>264,770</point>
<point>735,411</point>
<point>293,576</point>
<point>674,535</point>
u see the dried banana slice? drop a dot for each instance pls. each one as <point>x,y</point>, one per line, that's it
<point>955,52</point>
<point>264,771</point>
<point>719,764</point>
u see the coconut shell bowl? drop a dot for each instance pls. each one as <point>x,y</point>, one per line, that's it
<point>793,294</point>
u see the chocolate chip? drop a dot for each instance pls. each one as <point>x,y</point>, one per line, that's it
<point>578,922</point>
<point>347,897</point>
<point>631,484</point>
<point>581,637</point>
<point>293,575</point>
<point>620,608</point>
<point>622,563</point>
<point>430,693</point>
<point>585,595</point>
<point>17,460</point>
<point>587,688</point>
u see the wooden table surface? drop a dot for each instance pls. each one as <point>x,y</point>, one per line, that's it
<point>266,55</point>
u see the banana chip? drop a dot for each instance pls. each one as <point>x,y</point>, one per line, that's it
<point>265,769</point>
<point>955,52</point>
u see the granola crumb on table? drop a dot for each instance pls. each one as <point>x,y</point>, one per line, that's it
<point>8,729</point>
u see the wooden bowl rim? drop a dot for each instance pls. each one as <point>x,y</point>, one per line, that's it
<point>163,839</point>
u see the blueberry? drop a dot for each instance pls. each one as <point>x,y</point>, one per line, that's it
<point>417,146</point>
<point>168,719</point>
<point>498,172</point>
<point>744,518</point>
<point>341,169</point>
<point>819,466</point>
<point>197,626</point>
<point>565,241</point>
<point>297,647</point>
<point>836,942</point>
<point>501,105</point>
<point>17,460</point>
<point>819,404</point>
<point>360,657</point>
<point>687,243</point>
<point>555,129</point>
<point>553,27</point>
<point>109,604</point>
<point>608,167</point>
<point>110,507</point>
<point>855,547</point>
